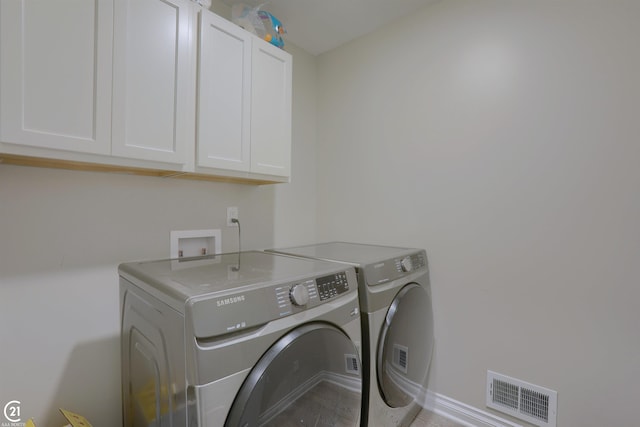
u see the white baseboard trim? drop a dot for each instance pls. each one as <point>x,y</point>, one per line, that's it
<point>463,413</point>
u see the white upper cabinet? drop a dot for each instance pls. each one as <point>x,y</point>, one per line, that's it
<point>224,89</point>
<point>244,101</point>
<point>271,110</point>
<point>144,85</point>
<point>55,74</point>
<point>153,79</point>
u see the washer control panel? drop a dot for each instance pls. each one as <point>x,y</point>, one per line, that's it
<point>244,307</point>
<point>312,292</point>
<point>331,286</point>
<point>299,294</point>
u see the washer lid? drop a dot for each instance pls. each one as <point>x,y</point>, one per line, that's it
<point>311,376</point>
<point>405,347</point>
<point>353,253</point>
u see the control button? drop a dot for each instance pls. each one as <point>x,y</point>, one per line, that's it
<point>406,264</point>
<point>299,294</point>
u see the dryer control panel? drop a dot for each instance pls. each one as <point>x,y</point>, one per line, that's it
<point>393,269</point>
<point>410,263</point>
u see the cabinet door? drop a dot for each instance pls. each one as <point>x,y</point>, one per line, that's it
<point>154,91</point>
<point>224,94</point>
<point>271,110</point>
<point>55,74</point>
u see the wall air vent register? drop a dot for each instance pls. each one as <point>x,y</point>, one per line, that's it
<point>528,402</point>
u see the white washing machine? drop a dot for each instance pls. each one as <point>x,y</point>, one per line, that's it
<point>397,325</point>
<point>240,340</point>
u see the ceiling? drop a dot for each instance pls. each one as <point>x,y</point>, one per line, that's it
<point>318,26</point>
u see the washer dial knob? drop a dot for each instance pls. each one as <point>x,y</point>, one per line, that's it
<point>299,294</point>
<point>406,264</point>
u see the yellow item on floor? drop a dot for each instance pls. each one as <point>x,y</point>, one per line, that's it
<point>75,420</point>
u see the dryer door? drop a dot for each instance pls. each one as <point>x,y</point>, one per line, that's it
<point>311,376</point>
<point>405,346</point>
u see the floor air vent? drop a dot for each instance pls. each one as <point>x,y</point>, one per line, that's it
<point>528,402</point>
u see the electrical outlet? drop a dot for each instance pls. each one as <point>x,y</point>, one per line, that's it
<point>232,213</point>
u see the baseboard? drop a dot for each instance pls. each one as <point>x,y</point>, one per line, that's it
<point>463,413</point>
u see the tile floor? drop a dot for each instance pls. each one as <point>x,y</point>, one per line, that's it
<point>329,398</point>
<point>325,405</point>
<point>429,419</point>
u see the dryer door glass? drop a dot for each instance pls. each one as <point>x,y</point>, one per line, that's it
<point>405,346</point>
<point>311,376</point>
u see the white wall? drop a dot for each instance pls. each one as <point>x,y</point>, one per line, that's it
<point>295,204</point>
<point>502,137</point>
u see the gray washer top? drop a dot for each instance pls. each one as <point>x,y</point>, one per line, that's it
<point>356,254</point>
<point>182,279</point>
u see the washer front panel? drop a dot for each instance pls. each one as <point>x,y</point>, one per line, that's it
<point>405,347</point>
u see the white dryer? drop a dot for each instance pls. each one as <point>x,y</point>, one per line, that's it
<point>240,340</point>
<point>397,325</point>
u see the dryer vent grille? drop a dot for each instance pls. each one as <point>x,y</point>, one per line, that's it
<point>528,402</point>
